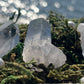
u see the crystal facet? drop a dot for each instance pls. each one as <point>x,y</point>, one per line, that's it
<point>1,62</point>
<point>9,37</point>
<point>80,29</point>
<point>38,45</point>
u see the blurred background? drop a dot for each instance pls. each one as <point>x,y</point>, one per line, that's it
<point>32,9</point>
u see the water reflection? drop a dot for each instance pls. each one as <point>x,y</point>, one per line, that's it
<point>32,9</point>
<point>10,1</point>
<point>57,5</point>
<point>4,9</point>
<point>23,12</point>
<point>12,9</point>
<point>42,16</point>
<point>73,1</point>
<point>43,3</point>
<point>2,3</point>
<point>70,8</point>
<point>30,13</point>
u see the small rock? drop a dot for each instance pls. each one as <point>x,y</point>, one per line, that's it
<point>82,80</point>
<point>72,24</point>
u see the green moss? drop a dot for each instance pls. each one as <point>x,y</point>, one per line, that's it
<point>18,52</point>
<point>64,37</point>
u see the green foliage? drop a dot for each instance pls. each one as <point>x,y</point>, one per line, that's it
<point>23,30</point>
<point>64,74</point>
<point>18,52</point>
<point>14,73</point>
<point>13,15</point>
<point>66,37</point>
<point>66,23</point>
<point>19,14</point>
<point>82,20</point>
<point>56,19</point>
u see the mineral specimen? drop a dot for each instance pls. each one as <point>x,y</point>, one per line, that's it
<point>9,37</point>
<point>38,45</point>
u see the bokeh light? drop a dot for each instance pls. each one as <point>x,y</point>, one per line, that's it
<point>32,9</point>
<point>57,5</point>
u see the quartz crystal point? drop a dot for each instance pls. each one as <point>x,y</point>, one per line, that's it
<point>38,45</point>
<point>80,29</point>
<point>9,37</point>
<point>1,62</point>
<point>72,24</point>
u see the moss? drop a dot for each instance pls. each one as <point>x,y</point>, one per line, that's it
<point>16,73</point>
<point>23,30</point>
<point>17,51</point>
<point>14,78</point>
<point>64,37</point>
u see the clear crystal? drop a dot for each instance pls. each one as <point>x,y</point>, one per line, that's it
<point>1,62</point>
<point>38,45</point>
<point>80,29</point>
<point>9,37</point>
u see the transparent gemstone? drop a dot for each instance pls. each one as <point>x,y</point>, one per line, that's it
<point>38,45</point>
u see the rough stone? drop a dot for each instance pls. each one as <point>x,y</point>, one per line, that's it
<point>82,80</point>
<point>72,24</point>
<point>38,45</point>
<point>80,29</point>
<point>9,37</point>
